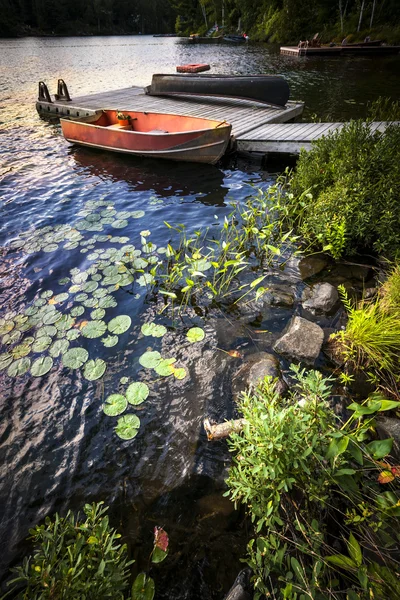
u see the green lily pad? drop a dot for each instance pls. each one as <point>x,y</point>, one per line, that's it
<point>65,322</point>
<point>81,297</point>
<point>145,280</point>
<point>79,277</point>
<point>72,334</point>
<point>12,337</point>
<point>153,329</point>
<point>107,302</point>
<point>6,326</point>
<point>5,360</point>
<point>41,343</point>
<point>180,373</point>
<point>21,350</point>
<point>51,317</point>
<point>77,311</point>
<point>94,369</point>
<point>75,358</point>
<point>119,223</point>
<point>46,294</point>
<point>41,366</point>
<point>150,360</point>
<point>195,334</point>
<point>127,427</point>
<point>137,214</point>
<point>119,324</point>
<point>165,368</point>
<point>126,279</point>
<point>59,298</point>
<point>58,347</point>
<point>143,587</point>
<point>90,303</point>
<point>115,405</point>
<point>110,340</point>
<point>90,286</point>
<point>124,380</point>
<point>137,393</point>
<point>19,367</point>
<point>98,313</point>
<point>94,329</point>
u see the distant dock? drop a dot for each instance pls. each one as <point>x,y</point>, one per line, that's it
<point>348,50</point>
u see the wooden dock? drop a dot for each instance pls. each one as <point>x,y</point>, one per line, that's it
<point>241,114</point>
<point>289,138</point>
<point>340,51</point>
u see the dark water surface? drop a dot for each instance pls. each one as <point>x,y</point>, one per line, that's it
<point>58,448</point>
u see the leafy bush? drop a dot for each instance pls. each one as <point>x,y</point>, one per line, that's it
<point>344,194</point>
<point>322,523</point>
<point>74,558</point>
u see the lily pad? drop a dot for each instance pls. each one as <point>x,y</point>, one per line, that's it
<point>110,340</point>
<point>107,302</point>
<point>72,334</point>
<point>137,393</point>
<point>41,366</point>
<point>51,317</point>
<point>19,367</point>
<point>153,330</point>
<point>150,360</point>
<point>59,298</point>
<point>127,427</point>
<point>146,279</point>
<point>94,369</point>
<point>195,334</point>
<point>137,214</point>
<point>75,358</point>
<point>115,405</point>
<point>119,324</point>
<point>165,368</point>
<point>180,373</point>
<point>124,380</point>
<point>58,347</point>
<point>21,350</point>
<point>41,343</point>
<point>77,311</point>
<point>94,329</point>
<point>5,360</point>
<point>65,322</point>
<point>98,313</point>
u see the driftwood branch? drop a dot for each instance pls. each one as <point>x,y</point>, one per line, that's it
<point>219,431</point>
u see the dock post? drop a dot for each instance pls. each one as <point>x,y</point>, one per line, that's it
<point>43,95</point>
<point>62,91</point>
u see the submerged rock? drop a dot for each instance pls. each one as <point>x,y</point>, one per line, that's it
<point>241,587</point>
<point>255,369</point>
<point>311,265</point>
<point>302,341</point>
<point>280,295</point>
<point>321,298</point>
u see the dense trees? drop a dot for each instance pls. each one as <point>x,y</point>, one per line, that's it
<point>19,17</point>
<point>273,20</point>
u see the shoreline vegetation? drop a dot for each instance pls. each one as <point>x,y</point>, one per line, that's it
<point>285,22</point>
<point>319,480</point>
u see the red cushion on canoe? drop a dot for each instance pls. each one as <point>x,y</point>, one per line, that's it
<point>195,68</point>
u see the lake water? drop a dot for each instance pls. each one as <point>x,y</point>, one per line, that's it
<point>61,210</point>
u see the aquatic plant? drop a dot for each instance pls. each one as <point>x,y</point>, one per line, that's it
<point>319,494</point>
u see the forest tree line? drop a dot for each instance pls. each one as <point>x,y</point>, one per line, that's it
<point>264,20</point>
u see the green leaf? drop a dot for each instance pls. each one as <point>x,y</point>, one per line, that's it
<point>19,367</point>
<point>119,324</point>
<point>127,427</point>
<point>94,329</point>
<point>380,448</point>
<point>195,334</point>
<point>158,555</point>
<point>180,373</point>
<point>115,404</point>
<point>297,569</point>
<point>137,392</point>
<point>337,447</point>
<point>150,360</point>
<point>388,405</point>
<point>164,367</point>
<point>94,369</point>
<point>110,340</point>
<point>153,330</point>
<point>342,561</point>
<point>354,550</point>
<point>75,358</point>
<point>143,588</point>
<point>41,366</point>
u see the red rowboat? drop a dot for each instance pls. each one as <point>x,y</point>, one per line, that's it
<point>156,135</point>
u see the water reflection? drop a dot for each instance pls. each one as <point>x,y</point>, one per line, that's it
<point>162,178</point>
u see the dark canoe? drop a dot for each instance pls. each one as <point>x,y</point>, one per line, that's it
<point>236,39</point>
<point>268,89</point>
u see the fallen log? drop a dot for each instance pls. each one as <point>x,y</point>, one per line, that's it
<point>218,431</point>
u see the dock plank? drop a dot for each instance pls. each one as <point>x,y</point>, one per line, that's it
<point>291,137</point>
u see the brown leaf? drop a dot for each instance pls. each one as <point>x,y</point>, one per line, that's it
<point>81,324</point>
<point>52,301</point>
<point>385,477</point>
<point>235,354</point>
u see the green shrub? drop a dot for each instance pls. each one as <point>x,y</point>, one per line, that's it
<point>344,194</point>
<point>322,522</point>
<point>74,559</point>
